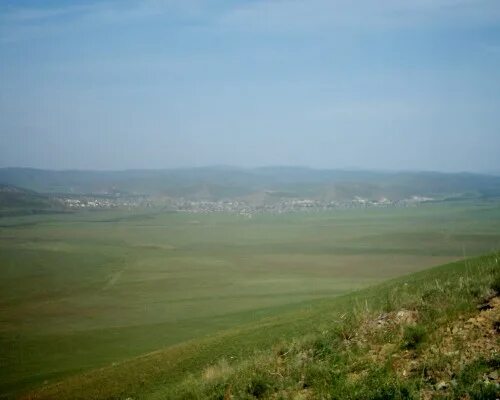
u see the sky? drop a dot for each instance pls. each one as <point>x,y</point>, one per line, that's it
<point>371,84</point>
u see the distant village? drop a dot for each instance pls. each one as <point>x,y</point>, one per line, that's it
<point>95,203</point>
<point>229,206</point>
<point>291,205</point>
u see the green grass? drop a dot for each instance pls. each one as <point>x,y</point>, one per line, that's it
<point>329,359</point>
<point>87,290</point>
<point>320,349</point>
<point>413,336</point>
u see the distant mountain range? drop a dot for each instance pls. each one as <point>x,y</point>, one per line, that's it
<point>219,183</point>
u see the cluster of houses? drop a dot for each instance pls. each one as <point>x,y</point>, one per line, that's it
<point>277,206</point>
<point>290,205</point>
<point>89,202</point>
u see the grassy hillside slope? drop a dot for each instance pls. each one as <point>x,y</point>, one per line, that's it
<point>17,201</point>
<point>419,336</point>
<point>84,290</point>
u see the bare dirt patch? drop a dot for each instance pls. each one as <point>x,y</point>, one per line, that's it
<point>446,353</point>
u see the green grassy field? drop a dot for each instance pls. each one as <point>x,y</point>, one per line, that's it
<point>85,290</point>
<point>402,339</point>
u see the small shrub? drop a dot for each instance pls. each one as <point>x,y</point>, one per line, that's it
<point>389,303</point>
<point>496,326</point>
<point>432,295</point>
<point>484,392</point>
<point>379,384</point>
<point>215,391</point>
<point>258,386</point>
<point>281,349</point>
<point>413,336</point>
<point>475,292</point>
<point>346,329</point>
<point>470,383</point>
<point>495,285</point>
<point>318,375</point>
<point>326,345</point>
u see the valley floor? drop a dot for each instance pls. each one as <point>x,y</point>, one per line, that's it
<point>95,289</point>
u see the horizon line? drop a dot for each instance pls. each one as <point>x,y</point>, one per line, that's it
<point>250,168</point>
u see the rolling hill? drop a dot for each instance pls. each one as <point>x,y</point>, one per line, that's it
<point>432,334</point>
<point>15,200</point>
<point>214,183</point>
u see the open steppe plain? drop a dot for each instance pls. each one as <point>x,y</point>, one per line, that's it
<point>89,289</point>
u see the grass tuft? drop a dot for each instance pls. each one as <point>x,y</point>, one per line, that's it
<point>495,285</point>
<point>413,336</point>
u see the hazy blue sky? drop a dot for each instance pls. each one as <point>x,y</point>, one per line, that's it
<point>387,84</point>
